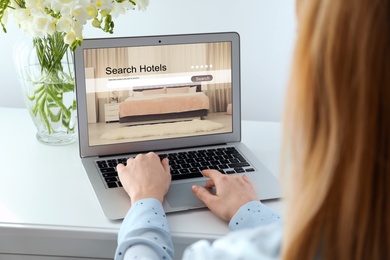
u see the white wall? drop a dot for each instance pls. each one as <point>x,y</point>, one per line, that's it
<point>267,29</point>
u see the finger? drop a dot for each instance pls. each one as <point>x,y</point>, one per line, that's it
<point>212,174</point>
<point>203,195</point>
<point>246,179</point>
<point>119,167</point>
<point>140,155</point>
<point>210,184</point>
<point>165,164</point>
<point>152,154</point>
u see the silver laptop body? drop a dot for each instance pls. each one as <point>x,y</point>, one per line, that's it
<point>167,94</point>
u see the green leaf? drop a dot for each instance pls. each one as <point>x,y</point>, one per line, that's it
<point>54,117</point>
<point>43,115</point>
<point>39,89</point>
<point>35,109</point>
<point>66,113</point>
<point>4,4</point>
<point>68,87</point>
<point>31,97</point>
<point>66,118</point>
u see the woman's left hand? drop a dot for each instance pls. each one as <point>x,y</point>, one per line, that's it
<point>145,176</point>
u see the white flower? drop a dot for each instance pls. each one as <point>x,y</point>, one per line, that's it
<point>104,4</point>
<point>80,14</point>
<point>77,29</point>
<point>23,18</point>
<point>39,18</point>
<point>20,14</point>
<point>44,25</point>
<point>92,11</point>
<point>61,6</point>
<point>121,8</point>
<point>64,24</point>
<point>142,4</point>
<point>34,4</point>
<point>70,37</point>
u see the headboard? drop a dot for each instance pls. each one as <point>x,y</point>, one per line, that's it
<point>198,88</point>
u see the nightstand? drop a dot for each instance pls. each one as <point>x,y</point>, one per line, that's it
<point>111,112</point>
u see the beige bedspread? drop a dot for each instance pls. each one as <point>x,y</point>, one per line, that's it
<point>163,104</point>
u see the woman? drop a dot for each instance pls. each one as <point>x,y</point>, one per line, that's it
<point>336,152</point>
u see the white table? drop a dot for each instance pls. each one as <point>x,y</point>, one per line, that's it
<point>48,207</point>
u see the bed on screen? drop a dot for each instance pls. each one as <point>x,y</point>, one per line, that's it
<point>164,104</point>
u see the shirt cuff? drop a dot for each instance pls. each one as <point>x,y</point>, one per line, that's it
<point>253,214</point>
<point>144,213</point>
<point>145,232</point>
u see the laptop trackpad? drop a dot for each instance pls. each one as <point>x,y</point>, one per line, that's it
<point>180,195</point>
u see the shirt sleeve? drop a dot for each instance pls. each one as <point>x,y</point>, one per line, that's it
<point>263,242</point>
<point>253,214</point>
<point>144,233</point>
<point>257,235</point>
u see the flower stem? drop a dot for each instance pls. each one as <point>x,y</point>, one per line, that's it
<point>53,81</point>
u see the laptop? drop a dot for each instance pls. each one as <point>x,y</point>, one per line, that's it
<point>176,95</point>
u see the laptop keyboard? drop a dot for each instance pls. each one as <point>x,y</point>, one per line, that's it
<point>185,165</point>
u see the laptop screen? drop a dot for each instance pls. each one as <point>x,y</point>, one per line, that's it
<point>142,93</point>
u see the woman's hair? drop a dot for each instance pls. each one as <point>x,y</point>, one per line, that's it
<point>337,132</point>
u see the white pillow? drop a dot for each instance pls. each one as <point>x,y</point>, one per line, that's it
<point>137,94</point>
<point>192,89</point>
<point>157,91</point>
<point>177,90</point>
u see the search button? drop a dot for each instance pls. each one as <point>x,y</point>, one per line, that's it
<point>201,78</point>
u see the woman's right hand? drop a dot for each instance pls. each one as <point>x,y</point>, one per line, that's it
<point>232,192</point>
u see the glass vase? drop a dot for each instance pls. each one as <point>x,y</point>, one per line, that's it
<point>46,73</point>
